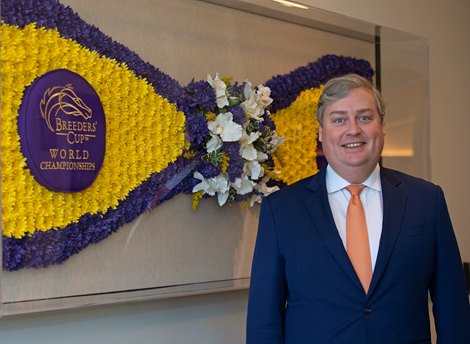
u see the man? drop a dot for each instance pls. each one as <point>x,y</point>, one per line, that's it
<point>307,284</point>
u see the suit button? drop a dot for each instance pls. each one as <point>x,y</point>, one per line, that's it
<point>367,311</point>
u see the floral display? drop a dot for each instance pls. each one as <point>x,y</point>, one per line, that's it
<point>238,144</point>
<point>211,138</point>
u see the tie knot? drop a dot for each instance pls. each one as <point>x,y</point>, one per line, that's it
<point>355,189</point>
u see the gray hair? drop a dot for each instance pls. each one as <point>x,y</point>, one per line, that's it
<point>338,88</point>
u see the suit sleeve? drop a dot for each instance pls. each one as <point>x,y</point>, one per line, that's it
<point>448,288</point>
<point>267,294</point>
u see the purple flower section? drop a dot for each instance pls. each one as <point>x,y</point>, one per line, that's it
<point>196,130</point>
<point>199,95</point>
<point>239,115</point>
<point>235,167</point>
<point>286,88</point>
<point>208,170</point>
<point>236,89</point>
<point>51,14</point>
<point>268,122</point>
<point>43,249</point>
<point>242,198</point>
<point>197,99</point>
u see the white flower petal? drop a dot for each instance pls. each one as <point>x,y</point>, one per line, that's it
<point>222,198</point>
<point>249,153</point>
<point>249,105</point>
<point>222,101</point>
<point>224,126</point>
<point>261,156</point>
<point>224,118</point>
<point>203,185</point>
<point>231,132</point>
<point>220,183</point>
<point>220,90</point>
<point>256,198</point>
<point>198,175</point>
<point>247,90</point>
<point>214,143</point>
<point>253,169</point>
<point>210,80</point>
<point>264,189</point>
<point>264,98</point>
<point>212,126</point>
<point>253,137</point>
<point>243,185</point>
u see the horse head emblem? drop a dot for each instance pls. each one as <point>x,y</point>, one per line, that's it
<point>62,100</point>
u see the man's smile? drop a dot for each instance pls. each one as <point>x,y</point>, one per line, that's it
<point>353,144</point>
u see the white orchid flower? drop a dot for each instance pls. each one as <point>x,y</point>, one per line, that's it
<point>220,89</point>
<point>217,185</point>
<point>251,107</point>
<point>255,198</point>
<point>225,127</point>
<point>264,94</point>
<point>263,190</point>
<point>253,169</point>
<point>261,157</point>
<point>256,100</point>
<point>247,90</point>
<point>247,151</point>
<point>243,185</point>
<point>222,198</point>
<point>203,185</point>
<point>214,143</point>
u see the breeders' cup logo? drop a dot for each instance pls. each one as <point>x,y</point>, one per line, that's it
<point>62,131</point>
<point>62,100</point>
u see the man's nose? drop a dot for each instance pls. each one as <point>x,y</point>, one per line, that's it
<point>354,127</point>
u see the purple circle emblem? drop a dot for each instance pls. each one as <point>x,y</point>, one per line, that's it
<point>62,131</point>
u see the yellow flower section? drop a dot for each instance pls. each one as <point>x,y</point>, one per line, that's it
<point>224,164</point>
<point>144,132</point>
<point>296,157</point>
<point>196,197</point>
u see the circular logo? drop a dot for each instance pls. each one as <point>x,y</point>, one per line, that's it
<point>62,131</point>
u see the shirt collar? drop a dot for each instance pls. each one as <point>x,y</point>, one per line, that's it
<point>334,182</point>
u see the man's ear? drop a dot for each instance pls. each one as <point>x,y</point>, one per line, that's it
<point>320,134</point>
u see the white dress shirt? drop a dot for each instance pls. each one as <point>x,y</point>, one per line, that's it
<point>371,198</point>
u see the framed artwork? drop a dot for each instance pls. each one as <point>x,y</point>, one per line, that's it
<point>135,233</point>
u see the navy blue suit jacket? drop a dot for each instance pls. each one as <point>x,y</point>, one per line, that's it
<point>305,290</point>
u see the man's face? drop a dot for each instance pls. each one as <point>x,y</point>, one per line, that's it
<point>352,135</point>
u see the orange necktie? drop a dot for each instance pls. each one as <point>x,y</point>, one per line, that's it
<point>357,239</point>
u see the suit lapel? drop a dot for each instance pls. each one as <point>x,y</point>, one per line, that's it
<point>394,203</point>
<point>320,211</point>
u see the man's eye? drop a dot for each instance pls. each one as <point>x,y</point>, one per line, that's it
<point>338,120</point>
<point>365,119</point>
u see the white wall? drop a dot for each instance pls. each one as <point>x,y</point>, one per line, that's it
<point>219,318</point>
<point>205,319</point>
